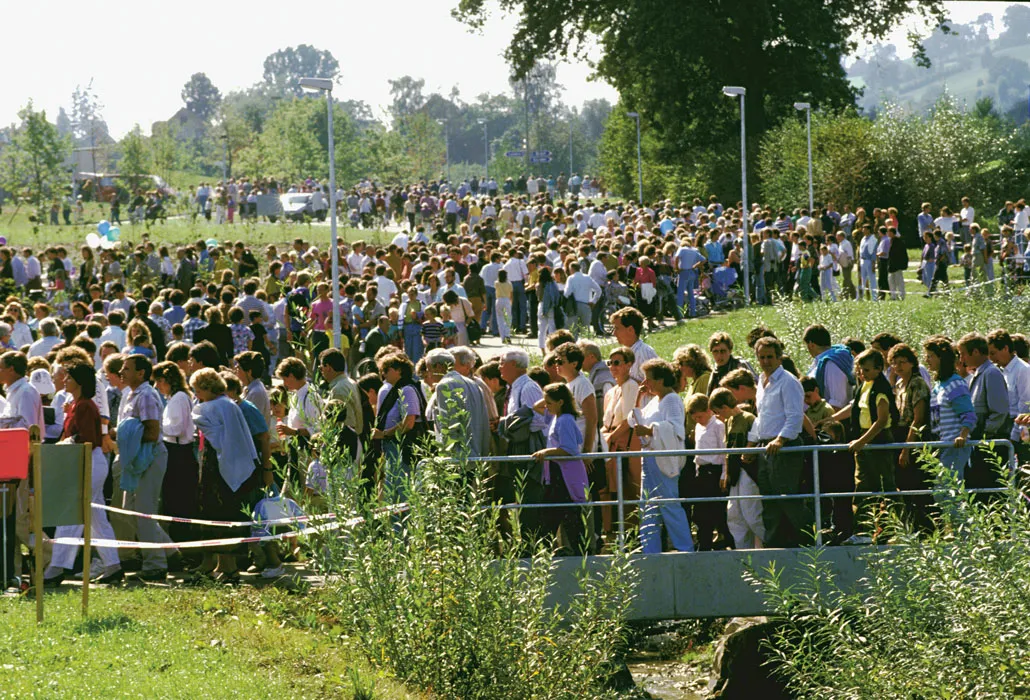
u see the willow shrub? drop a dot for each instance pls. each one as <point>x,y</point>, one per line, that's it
<point>440,600</point>
<point>939,615</point>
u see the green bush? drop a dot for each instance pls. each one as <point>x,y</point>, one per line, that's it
<point>941,615</point>
<point>440,601</point>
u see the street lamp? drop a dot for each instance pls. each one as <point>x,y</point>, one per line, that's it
<point>640,167</point>
<point>570,146</point>
<point>806,107</point>
<point>732,91</point>
<point>486,149</point>
<point>326,86</point>
<point>447,152</point>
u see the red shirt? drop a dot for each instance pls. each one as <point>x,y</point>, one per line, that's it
<point>82,422</point>
<point>645,275</point>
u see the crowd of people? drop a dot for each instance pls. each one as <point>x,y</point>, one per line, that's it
<point>204,375</point>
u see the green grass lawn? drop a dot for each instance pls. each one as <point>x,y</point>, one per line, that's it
<point>160,643</point>
<point>913,319</point>
<point>19,231</point>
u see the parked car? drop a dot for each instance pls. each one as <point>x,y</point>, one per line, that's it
<point>296,206</point>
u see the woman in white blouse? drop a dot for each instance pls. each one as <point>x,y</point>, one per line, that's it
<point>619,402</point>
<point>179,491</point>
<point>662,426</point>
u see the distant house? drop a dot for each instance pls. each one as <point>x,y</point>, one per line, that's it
<point>184,125</point>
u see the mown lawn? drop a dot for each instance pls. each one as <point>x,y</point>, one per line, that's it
<point>20,232</point>
<point>159,643</point>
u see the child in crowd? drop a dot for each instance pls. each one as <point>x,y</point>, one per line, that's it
<point>503,290</point>
<point>826,273</point>
<point>967,263</point>
<point>432,330</point>
<point>743,517</point>
<point>709,434</point>
<point>837,475</point>
<point>450,328</point>
<point>816,409</point>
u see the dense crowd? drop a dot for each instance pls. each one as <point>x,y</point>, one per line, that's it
<point>205,375</point>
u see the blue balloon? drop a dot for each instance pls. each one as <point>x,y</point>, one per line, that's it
<point>114,233</point>
<point>103,227</point>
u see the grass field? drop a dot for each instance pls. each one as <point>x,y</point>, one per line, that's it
<point>19,231</point>
<point>160,643</point>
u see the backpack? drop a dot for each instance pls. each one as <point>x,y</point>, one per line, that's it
<point>840,356</point>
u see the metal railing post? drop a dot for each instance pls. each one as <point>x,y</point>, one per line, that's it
<point>818,500</point>
<point>622,505</point>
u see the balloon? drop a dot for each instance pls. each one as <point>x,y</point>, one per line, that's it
<point>106,243</point>
<point>212,242</point>
<point>3,240</point>
<point>103,226</point>
<point>114,233</point>
<point>93,240</point>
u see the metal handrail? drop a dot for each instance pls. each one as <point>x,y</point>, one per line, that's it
<point>816,494</point>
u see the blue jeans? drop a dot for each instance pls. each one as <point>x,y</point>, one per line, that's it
<point>396,472</point>
<point>413,345</point>
<point>929,268</point>
<point>489,311</point>
<point>687,284</point>
<point>520,306</point>
<point>657,485</point>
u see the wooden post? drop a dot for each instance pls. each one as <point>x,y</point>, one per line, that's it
<point>37,526</point>
<point>87,520</point>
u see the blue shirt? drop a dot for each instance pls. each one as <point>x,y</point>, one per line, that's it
<point>255,421</point>
<point>714,250</point>
<point>688,256</point>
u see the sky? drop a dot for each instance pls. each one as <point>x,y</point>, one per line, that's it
<point>139,54</point>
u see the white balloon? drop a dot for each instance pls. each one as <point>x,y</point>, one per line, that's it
<point>93,240</point>
<point>107,244</point>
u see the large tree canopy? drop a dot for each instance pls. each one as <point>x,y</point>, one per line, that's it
<point>201,96</point>
<point>285,68</point>
<point>669,61</point>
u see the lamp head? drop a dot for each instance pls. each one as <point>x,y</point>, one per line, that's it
<point>317,83</point>
<point>733,91</point>
<point>802,106</point>
<point>634,115</point>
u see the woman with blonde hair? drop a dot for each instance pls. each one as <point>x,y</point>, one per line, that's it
<point>619,403</point>
<point>138,340</point>
<point>228,465</point>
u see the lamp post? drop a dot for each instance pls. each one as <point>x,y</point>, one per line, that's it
<point>570,146</point>
<point>807,109</point>
<point>740,92</point>
<point>447,152</point>
<point>486,149</point>
<point>326,85</point>
<point>640,167</point>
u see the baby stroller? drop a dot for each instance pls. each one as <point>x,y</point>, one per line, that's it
<point>724,291</point>
<point>616,296</point>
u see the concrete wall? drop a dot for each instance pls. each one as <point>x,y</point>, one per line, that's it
<point>707,584</point>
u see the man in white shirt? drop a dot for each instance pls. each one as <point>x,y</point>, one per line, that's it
<point>781,409</point>
<point>627,325</point>
<point>966,217</point>
<point>357,259</point>
<point>517,274</point>
<point>833,382</point>
<point>584,291</point>
<point>51,336</point>
<point>846,260</point>
<point>114,331</point>
<point>489,275</point>
<point>1001,352</point>
<point>401,241</point>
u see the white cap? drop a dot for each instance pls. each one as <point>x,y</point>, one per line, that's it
<point>42,381</point>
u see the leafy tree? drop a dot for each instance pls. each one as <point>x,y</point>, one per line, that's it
<point>136,161</point>
<point>35,157</point>
<point>406,93</point>
<point>89,130</point>
<point>774,49</point>
<point>284,68</point>
<point>423,146</point>
<point>165,150</point>
<point>201,96</point>
<point>64,123</point>
<point>1017,25</point>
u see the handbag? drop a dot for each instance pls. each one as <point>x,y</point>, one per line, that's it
<point>472,327</point>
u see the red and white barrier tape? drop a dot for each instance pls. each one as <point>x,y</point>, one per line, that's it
<point>223,542</point>
<point>217,523</point>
